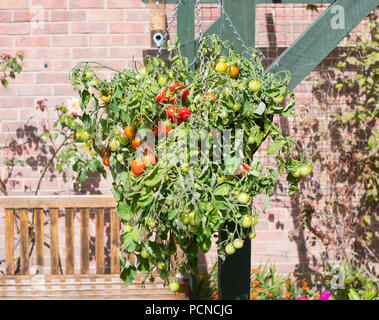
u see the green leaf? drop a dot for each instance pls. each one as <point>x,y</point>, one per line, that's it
<point>153,178</point>
<point>130,244</point>
<point>143,265</point>
<point>353,295</point>
<point>144,201</point>
<point>222,189</point>
<point>276,146</point>
<point>124,210</point>
<point>266,203</point>
<point>371,143</point>
<point>128,274</point>
<point>136,235</point>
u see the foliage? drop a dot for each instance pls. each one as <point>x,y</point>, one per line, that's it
<point>206,284</point>
<point>9,66</point>
<point>346,224</point>
<point>183,200</point>
<point>348,283</point>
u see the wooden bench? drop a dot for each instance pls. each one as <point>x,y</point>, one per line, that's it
<point>70,283</point>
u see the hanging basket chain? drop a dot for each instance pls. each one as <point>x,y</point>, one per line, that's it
<point>169,25</point>
<point>201,44</point>
<point>238,36</point>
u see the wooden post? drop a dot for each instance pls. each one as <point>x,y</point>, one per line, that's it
<point>157,20</point>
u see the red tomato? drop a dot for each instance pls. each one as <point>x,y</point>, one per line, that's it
<point>245,167</point>
<point>209,96</point>
<point>180,89</point>
<point>136,143</point>
<point>149,158</point>
<point>106,162</point>
<point>161,97</point>
<point>130,131</point>
<point>184,113</point>
<point>165,128</point>
<point>173,114</point>
<point>138,167</point>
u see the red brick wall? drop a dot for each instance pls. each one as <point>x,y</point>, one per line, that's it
<point>113,32</point>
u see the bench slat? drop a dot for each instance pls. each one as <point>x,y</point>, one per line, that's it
<point>99,241</point>
<point>54,242</point>
<point>24,241</point>
<point>9,241</point>
<point>69,230</point>
<point>84,241</point>
<point>39,237</point>
<point>115,241</point>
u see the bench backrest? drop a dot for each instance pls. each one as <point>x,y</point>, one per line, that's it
<point>46,210</point>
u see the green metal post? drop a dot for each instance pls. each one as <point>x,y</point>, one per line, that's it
<point>186,29</point>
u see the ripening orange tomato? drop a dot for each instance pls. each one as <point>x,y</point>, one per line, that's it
<point>233,71</point>
<point>130,131</point>
<point>106,162</point>
<point>138,167</point>
<point>136,143</point>
<point>209,96</point>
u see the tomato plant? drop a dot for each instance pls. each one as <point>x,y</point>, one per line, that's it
<point>165,186</point>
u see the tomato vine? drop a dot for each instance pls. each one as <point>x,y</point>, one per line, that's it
<point>158,128</point>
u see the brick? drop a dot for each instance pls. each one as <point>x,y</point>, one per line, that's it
<point>111,40</point>
<point>52,53</point>
<point>128,27</point>
<point>62,65</point>
<point>137,15</point>
<point>74,4</point>
<point>33,41</point>
<point>125,52</point>
<point>12,102</point>
<point>87,27</point>
<point>50,28</point>
<point>28,90</point>
<point>70,41</point>
<point>14,28</point>
<point>125,4</point>
<point>49,4</point>
<point>91,53</point>
<point>28,16</point>
<point>105,15</point>
<point>6,42</point>
<point>64,90</point>
<point>138,40</point>
<point>6,16</point>
<point>68,15</point>
<point>51,77</point>
<point>14,4</point>
<point>9,114</point>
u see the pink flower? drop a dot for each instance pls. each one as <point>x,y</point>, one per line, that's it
<point>302,298</point>
<point>73,107</point>
<point>325,295</point>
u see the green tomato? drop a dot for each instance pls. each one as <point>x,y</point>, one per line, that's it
<point>297,173</point>
<point>174,285</point>
<point>163,274</point>
<point>193,219</point>
<point>243,198</point>
<point>306,169</point>
<point>162,80</point>
<point>115,145</point>
<point>193,228</point>
<point>255,85</point>
<point>120,157</point>
<point>161,266</point>
<point>206,245</point>
<point>238,243</point>
<point>226,93</point>
<point>224,115</point>
<point>230,249</point>
<point>164,210</point>
<point>127,228</point>
<point>185,167</point>
<point>145,254</point>
<point>252,235</point>
<point>169,202</point>
<point>247,221</point>
<point>278,100</point>
<point>123,140</point>
<point>236,107</point>
<point>151,222</point>
<point>185,219</point>
<point>83,135</point>
<point>251,140</point>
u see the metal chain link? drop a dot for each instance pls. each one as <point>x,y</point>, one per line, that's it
<point>169,25</point>
<point>237,34</point>
<point>201,47</point>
